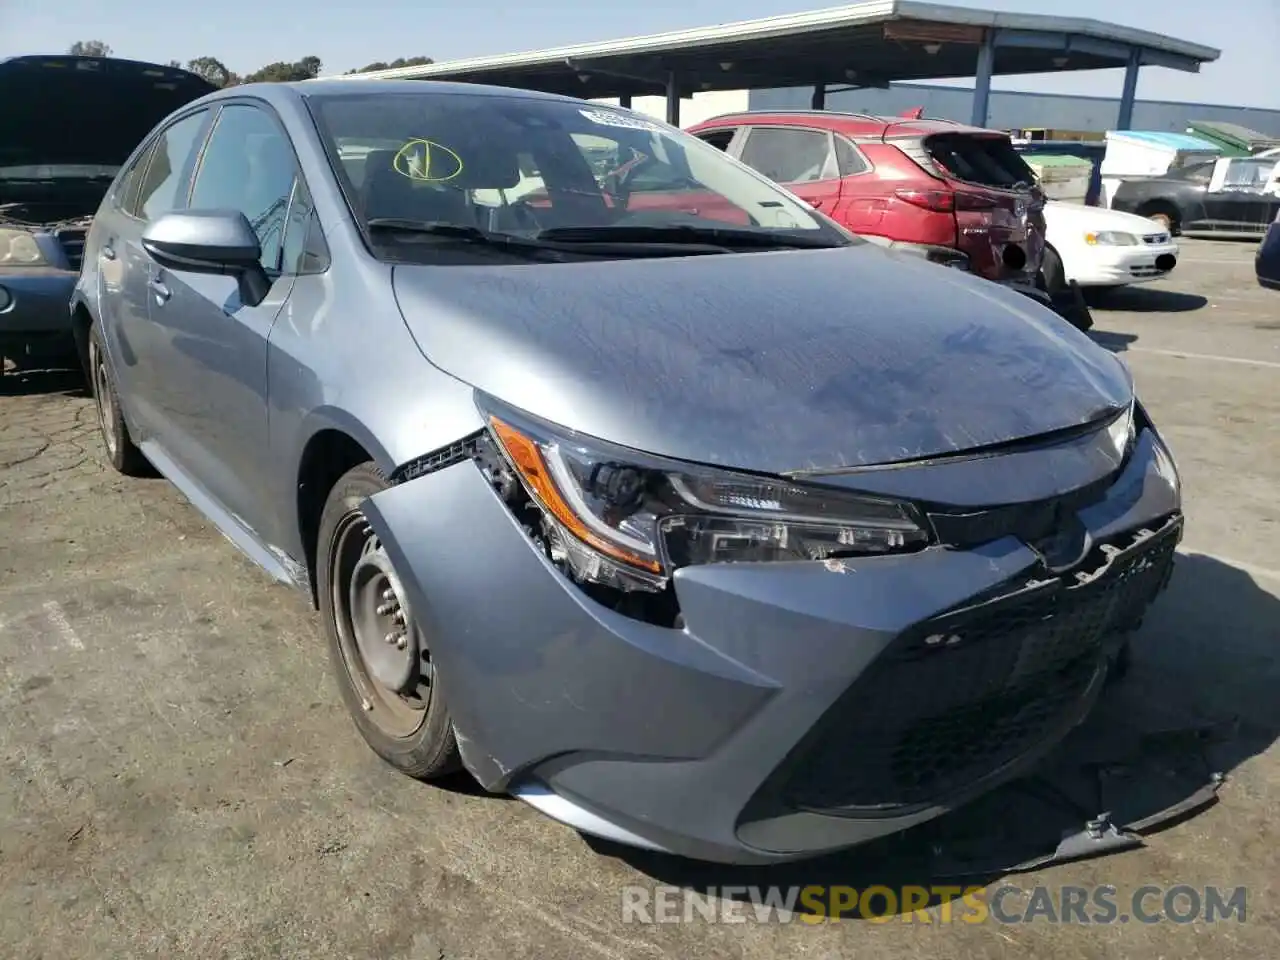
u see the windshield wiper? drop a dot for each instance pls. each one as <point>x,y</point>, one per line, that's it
<point>606,245</point>
<point>684,234</point>
<point>457,231</point>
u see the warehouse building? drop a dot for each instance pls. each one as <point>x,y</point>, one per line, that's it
<point>1011,110</point>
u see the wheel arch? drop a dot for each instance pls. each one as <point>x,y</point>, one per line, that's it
<point>335,443</point>
<point>1162,205</point>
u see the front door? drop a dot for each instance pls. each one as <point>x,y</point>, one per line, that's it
<point>215,368</point>
<point>1237,201</point>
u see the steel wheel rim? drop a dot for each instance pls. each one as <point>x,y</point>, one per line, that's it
<point>357,586</point>
<point>101,390</point>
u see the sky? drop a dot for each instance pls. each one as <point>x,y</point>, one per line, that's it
<point>246,34</point>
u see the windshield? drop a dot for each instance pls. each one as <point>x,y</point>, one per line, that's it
<point>529,167</point>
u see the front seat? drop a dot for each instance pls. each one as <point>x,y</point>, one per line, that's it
<point>389,193</point>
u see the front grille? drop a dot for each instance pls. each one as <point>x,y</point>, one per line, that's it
<point>1155,239</point>
<point>1147,270</point>
<point>72,240</point>
<point>959,696</point>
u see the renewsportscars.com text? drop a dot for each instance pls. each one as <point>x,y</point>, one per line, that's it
<point>941,904</point>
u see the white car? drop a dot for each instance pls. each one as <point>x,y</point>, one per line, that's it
<point>1097,247</point>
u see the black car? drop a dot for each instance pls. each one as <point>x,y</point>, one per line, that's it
<point>1267,262</point>
<point>1225,197</point>
<point>67,123</point>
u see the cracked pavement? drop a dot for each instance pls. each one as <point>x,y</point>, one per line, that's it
<point>180,778</point>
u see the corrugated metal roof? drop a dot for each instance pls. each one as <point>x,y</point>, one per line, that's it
<point>800,24</point>
<point>1173,141</point>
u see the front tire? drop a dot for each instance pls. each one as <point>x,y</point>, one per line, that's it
<point>122,453</point>
<point>378,652</point>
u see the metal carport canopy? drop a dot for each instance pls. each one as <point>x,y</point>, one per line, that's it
<point>861,45</point>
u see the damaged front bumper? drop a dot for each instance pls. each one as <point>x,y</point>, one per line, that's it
<point>802,707</point>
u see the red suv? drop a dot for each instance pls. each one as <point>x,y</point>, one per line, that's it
<point>921,183</point>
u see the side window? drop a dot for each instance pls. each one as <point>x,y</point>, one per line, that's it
<point>164,184</point>
<point>789,156</point>
<point>850,161</point>
<point>720,139</point>
<point>304,250</point>
<point>248,166</point>
<point>125,195</point>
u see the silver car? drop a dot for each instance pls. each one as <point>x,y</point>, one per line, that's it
<point>620,477</point>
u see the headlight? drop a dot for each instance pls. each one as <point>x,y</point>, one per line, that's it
<point>1109,238</point>
<point>627,519</point>
<point>18,248</point>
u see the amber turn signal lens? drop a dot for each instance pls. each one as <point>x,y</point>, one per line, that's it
<point>528,460</point>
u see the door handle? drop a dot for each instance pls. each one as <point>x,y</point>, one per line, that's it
<point>817,204</point>
<point>158,288</point>
<point>108,252</point>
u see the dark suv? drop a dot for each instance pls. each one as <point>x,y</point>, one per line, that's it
<point>68,124</point>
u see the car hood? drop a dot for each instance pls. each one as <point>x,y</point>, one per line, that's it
<point>1073,216</point>
<point>85,111</point>
<point>774,362</point>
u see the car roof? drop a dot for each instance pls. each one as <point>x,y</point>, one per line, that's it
<point>850,124</point>
<point>340,87</point>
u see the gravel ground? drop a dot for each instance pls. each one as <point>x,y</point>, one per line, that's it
<point>181,779</point>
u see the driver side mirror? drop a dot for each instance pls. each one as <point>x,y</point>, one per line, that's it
<point>213,242</point>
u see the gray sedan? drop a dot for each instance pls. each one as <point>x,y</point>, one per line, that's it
<point>620,477</point>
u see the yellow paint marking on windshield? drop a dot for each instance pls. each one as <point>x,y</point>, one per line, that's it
<point>427,161</point>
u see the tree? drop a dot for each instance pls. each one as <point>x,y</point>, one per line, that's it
<point>305,69</point>
<point>397,62</point>
<point>89,48</point>
<point>213,70</point>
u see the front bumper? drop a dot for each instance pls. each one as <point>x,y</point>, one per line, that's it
<point>1117,266</point>
<point>35,302</point>
<point>804,707</point>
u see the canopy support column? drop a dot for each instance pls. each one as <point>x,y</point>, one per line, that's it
<point>982,80</point>
<point>1130,93</point>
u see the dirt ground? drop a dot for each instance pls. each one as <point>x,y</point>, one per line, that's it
<point>180,778</point>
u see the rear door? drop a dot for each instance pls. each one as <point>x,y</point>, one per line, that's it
<point>996,205</point>
<point>864,197</point>
<point>127,269</point>
<point>801,160</point>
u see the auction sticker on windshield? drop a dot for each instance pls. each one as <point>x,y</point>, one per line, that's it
<point>607,118</point>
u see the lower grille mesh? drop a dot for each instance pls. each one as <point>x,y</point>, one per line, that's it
<point>962,695</point>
